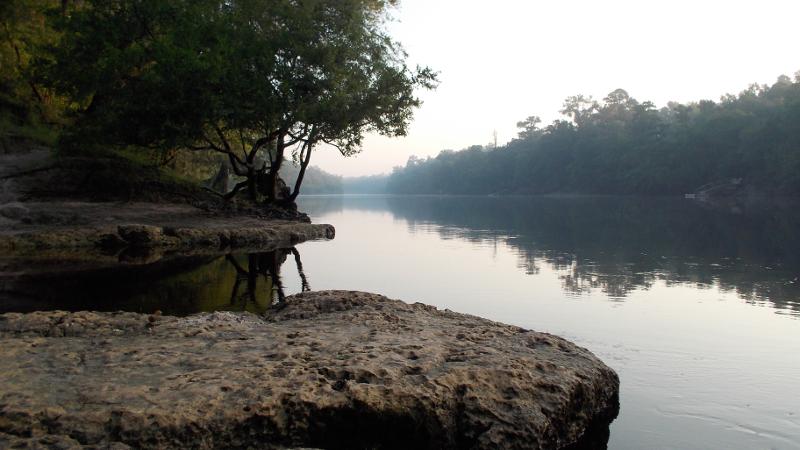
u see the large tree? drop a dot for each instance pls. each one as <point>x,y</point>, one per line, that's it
<point>254,80</point>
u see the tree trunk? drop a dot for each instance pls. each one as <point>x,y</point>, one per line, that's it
<point>272,176</point>
<point>252,190</point>
<point>303,165</point>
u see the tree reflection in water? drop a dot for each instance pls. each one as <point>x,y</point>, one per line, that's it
<point>617,245</point>
<point>267,268</point>
<point>177,286</point>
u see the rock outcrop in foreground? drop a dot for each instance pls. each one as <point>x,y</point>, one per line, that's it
<point>329,369</point>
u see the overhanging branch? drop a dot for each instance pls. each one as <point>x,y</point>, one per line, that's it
<point>338,147</point>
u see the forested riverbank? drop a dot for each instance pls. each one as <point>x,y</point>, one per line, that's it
<point>621,145</point>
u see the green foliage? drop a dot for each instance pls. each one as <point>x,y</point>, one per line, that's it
<point>622,146</point>
<point>28,111</point>
<point>250,79</point>
<point>114,176</point>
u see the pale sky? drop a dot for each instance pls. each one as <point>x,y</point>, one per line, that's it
<point>503,60</point>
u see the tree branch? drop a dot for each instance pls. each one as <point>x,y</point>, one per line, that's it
<point>224,141</point>
<point>241,141</point>
<point>256,147</point>
<point>298,138</point>
<point>211,143</point>
<point>236,163</point>
<point>239,186</point>
<point>200,148</point>
<point>303,165</point>
<point>338,147</point>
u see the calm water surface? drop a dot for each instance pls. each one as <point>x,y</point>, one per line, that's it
<point>696,307</point>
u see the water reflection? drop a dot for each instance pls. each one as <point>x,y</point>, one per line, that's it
<point>233,282</point>
<point>617,245</point>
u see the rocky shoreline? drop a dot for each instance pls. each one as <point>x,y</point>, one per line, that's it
<point>148,229</point>
<point>328,369</point>
<point>75,207</point>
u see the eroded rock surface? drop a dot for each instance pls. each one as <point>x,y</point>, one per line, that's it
<point>330,369</point>
<point>150,225</point>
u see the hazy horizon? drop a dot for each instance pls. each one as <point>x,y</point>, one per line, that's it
<point>502,61</point>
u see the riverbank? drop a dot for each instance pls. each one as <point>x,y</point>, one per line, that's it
<point>98,229</point>
<point>90,208</point>
<point>331,369</point>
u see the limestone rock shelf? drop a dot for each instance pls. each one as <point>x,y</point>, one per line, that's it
<point>96,228</point>
<point>328,369</point>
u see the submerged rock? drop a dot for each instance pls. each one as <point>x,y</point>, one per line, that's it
<point>329,369</point>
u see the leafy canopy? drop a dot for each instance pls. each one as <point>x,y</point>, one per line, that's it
<point>241,77</point>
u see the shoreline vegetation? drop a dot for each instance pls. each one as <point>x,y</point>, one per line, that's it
<point>743,145</point>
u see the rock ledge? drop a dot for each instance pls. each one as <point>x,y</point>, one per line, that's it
<point>331,369</point>
<point>98,228</point>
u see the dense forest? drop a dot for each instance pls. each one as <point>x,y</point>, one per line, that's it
<point>623,146</point>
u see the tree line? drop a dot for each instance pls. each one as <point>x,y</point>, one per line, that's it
<point>620,145</point>
<point>318,181</point>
